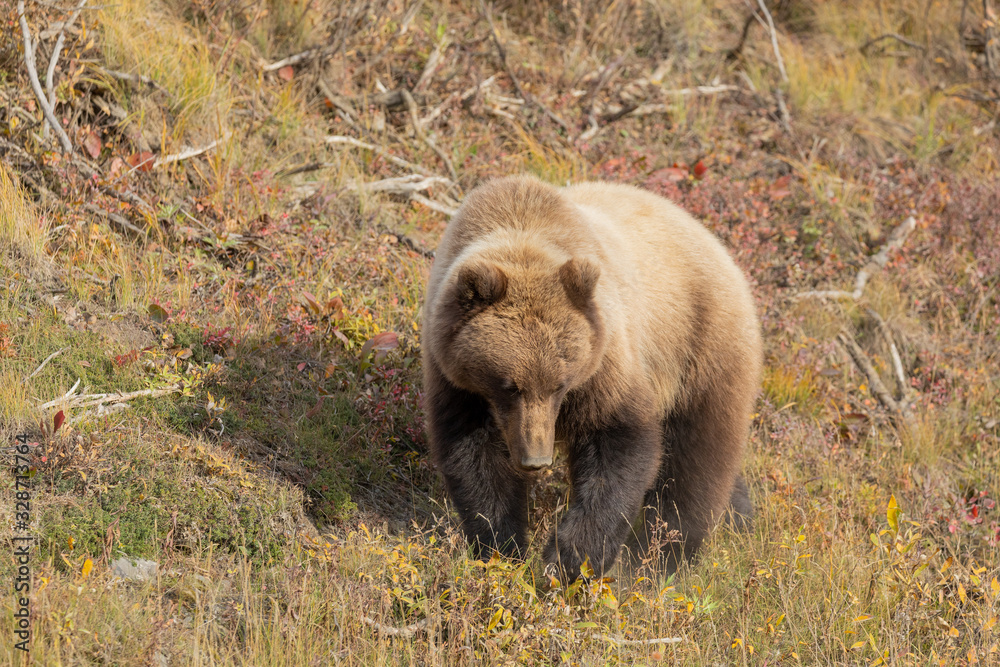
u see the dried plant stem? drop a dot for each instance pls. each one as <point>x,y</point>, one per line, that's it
<point>502,53</point>
<point>878,388</point>
<point>875,264</point>
<point>774,40</point>
<point>897,362</point>
<point>351,141</point>
<point>47,360</point>
<point>51,71</point>
<point>36,86</point>
<point>392,631</point>
<point>419,131</point>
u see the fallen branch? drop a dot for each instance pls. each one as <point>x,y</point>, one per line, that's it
<point>51,71</point>
<point>648,109</point>
<point>461,97</point>
<point>411,104</point>
<point>628,642</point>
<point>897,362</point>
<point>875,264</point>
<point>184,155</point>
<point>116,220</point>
<point>36,86</point>
<point>295,59</point>
<point>351,141</point>
<point>432,62</point>
<point>401,185</point>
<point>433,205</point>
<point>875,384</point>
<point>133,78</point>
<point>890,35</point>
<point>47,360</point>
<point>392,631</point>
<point>70,400</point>
<point>502,53</point>
<point>774,40</point>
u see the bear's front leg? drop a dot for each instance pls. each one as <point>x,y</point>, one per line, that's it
<point>610,471</point>
<point>488,491</point>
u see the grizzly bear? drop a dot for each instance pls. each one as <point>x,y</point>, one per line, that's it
<point>606,319</point>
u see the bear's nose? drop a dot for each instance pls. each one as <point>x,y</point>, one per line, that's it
<point>535,462</point>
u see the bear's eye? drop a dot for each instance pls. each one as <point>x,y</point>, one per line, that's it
<point>511,388</point>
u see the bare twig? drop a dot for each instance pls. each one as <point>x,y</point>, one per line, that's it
<point>897,362</point>
<point>70,400</point>
<point>51,71</point>
<point>415,119</point>
<point>185,155</point>
<point>36,86</point>
<point>875,264</point>
<point>336,100</point>
<point>433,205</point>
<point>462,97</point>
<point>403,185</point>
<point>502,53</point>
<point>116,220</point>
<point>878,389</point>
<point>301,57</point>
<point>432,63</point>
<point>628,642</point>
<point>47,360</point>
<point>351,141</point>
<point>991,50</point>
<point>890,35</point>
<point>405,632</point>
<point>774,40</point>
<point>133,78</point>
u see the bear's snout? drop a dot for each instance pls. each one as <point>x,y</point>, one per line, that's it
<point>535,462</point>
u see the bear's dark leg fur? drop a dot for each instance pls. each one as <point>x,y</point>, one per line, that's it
<point>698,480</point>
<point>489,492</point>
<point>609,470</point>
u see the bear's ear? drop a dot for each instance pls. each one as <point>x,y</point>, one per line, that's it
<point>579,278</point>
<point>480,284</point>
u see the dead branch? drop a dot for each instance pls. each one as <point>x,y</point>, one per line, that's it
<point>502,53</point>
<point>774,40</point>
<point>415,119</point>
<point>116,220</point>
<point>734,53</point>
<point>890,35</point>
<point>351,141</point>
<point>185,155</point>
<point>402,185</point>
<point>36,86</point>
<point>461,97</point>
<point>432,63</point>
<point>133,78</point>
<point>71,400</point>
<point>433,205</point>
<point>875,384</point>
<point>54,59</point>
<point>301,57</point>
<point>336,100</point>
<point>628,642</point>
<point>897,362</point>
<point>47,360</point>
<point>991,50</point>
<point>875,264</point>
<point>392,631</point>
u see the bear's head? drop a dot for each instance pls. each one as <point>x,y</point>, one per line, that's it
<point>523,333</point>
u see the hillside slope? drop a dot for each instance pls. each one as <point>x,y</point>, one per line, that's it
<point>212,274</point>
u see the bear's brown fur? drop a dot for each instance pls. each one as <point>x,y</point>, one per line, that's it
<point>603,317</point>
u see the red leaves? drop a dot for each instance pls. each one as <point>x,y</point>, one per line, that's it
<point>142,161</point>
<point>58,420</point>
<point>780,188</point>
<point>699,170</point>
<point>286,73</point>
<point>381,344</point>
<point>92,144</point>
